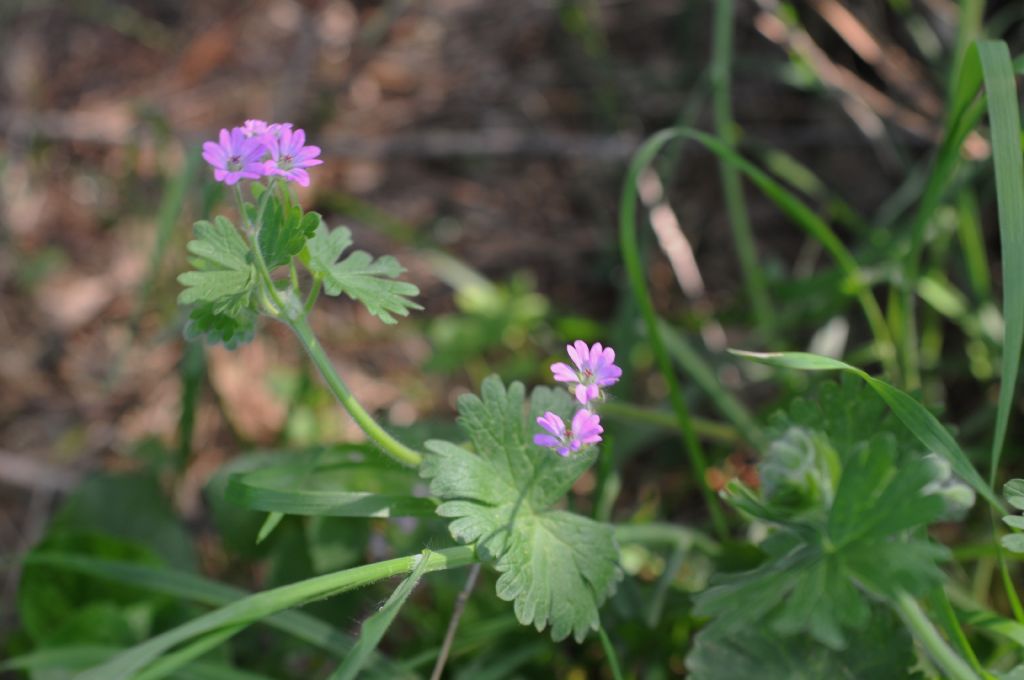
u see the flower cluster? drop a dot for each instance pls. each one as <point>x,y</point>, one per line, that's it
<point>595,370</point>
<point>260,149</point>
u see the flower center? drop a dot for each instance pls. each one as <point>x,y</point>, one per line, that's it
<point>235,162</point>
<point>286,161</point>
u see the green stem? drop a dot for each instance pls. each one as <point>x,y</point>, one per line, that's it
<point>169,663</point>
<point>638,282</point>
<point>388,444</point>
<point>256,607</point>
<point>252,231</point>
<point>732,188</point>
<point>609,654</point>
<point>293,276</point>
<point>953,629</point>
<point>314,293</point>
<point>708,429</point>
<point>666,534</point>
<point>928,637</point>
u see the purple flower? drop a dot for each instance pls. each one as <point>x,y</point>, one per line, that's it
<point>289,156</point>
<point>585,430</point>
<point>254,127</point>
<point>235,157</point>
<point>595,368</point>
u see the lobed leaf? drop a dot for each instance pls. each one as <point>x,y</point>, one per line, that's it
<point>915,417</point>
<point>883,650</point>
<point>359,276</point>
<point>221,285</point>
<point>821,575</point>
<point>284,232</point>
<point>556,567</point>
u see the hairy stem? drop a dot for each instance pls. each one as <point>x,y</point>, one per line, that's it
<point>387,443</point>
<point>928,637</point>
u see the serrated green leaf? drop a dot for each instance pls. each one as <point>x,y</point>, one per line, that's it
<point>231,331</point>
<point>919,420</point>
<point>359,276</point>
<point>848,412</point>
<point>557,567</point>
<point>284,232</point>
<point>1013,542</point>
<point>822,575</point>
<point>882,651</point>
<point>221,285</point>
<point>874,498</point>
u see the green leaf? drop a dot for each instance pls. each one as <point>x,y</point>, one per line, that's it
<point>848,412</point>
<point>256,607</point>
<point>557,567</point>
<point>1013,542</point>
<point>882,651</point>
<point>821,576</point>
<point>284,232</point>
<point>1013,490</point>
<point>229,330</point>
<point>223,273</point>
<point>295,491</point>
<point>1004,116</point>
<point>221,285</point>
<point>359,276</point>
<point>323,482</point>
<point>919,420</point>
<point>189,587</point>
<point>79,657</point>
<point>377,625</point>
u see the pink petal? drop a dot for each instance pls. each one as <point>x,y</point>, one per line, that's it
<point>546,440</point>
<point>564,373</point>
<point>584,353</point>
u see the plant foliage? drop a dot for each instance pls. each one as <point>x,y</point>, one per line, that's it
<point>557,567</point>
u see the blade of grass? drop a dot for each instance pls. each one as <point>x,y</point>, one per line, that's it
<point>696,366</point>
<point>638,283</point>
<point>919,420</point>
<point>192,588</point>
<point>1004,118</point>
<point>377,625</point>
<point>732,188</point>
<point>170,663</point>
<point>257,491</point>
<point>261,605</point>
<point>77,657</point>
<point>787,202</point>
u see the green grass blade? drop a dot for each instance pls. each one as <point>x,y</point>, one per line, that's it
<point>1004,117</point>
<point>261,490</point>
<point>192,588</point>
<point>170,663</point>
<point>919,420</point>
<point>695,366</point>
<point>77,657</point>
<point>261,605</point>
<point>377,625</point>
<point>732,188</point>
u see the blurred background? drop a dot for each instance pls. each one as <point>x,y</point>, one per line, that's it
<point>484,144</point>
